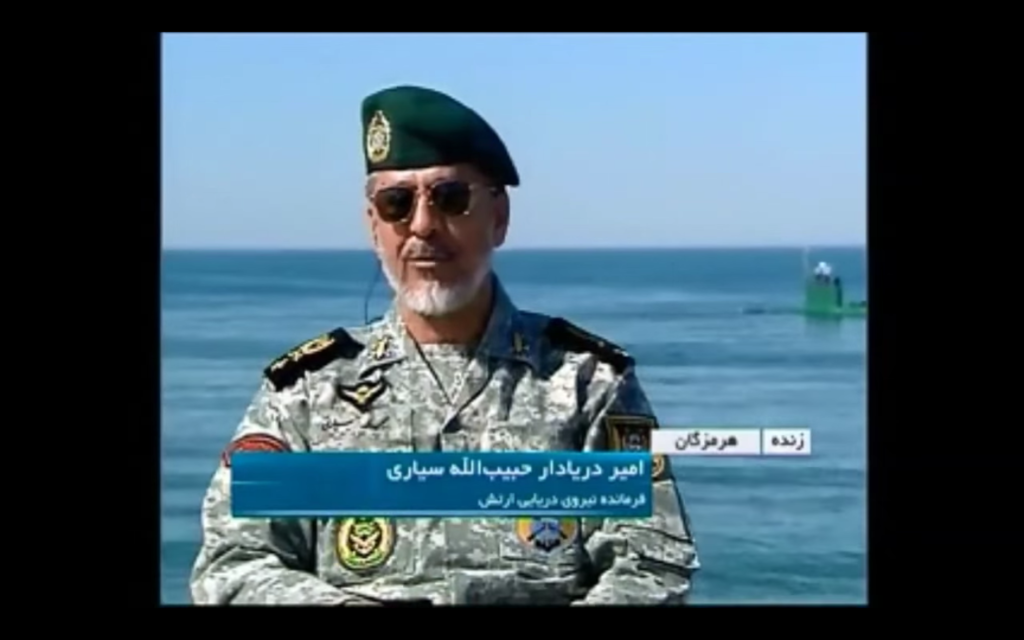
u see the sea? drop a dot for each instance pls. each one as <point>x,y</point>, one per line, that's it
<point>769,530</point>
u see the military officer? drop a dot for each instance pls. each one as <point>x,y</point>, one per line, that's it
<point>453,366</point>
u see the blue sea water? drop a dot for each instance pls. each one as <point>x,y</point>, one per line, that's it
<point>769,530</point>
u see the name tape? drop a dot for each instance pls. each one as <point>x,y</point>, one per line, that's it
<point>719,441</point>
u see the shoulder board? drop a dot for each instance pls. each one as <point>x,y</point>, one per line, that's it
<point>311,355</point>
<point>563,334</point>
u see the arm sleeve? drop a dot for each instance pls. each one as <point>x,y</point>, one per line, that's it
<point>259,561</point>
<point>640,561</point>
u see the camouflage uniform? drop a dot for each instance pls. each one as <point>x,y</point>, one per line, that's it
<point>534,383</point>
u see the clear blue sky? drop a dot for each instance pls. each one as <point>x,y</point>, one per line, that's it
<point>620,140</point>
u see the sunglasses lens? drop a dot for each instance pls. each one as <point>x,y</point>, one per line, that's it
<point>450,198</point>
<point>394,203</point>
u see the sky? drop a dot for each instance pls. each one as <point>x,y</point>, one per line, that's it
<point>647,140</point>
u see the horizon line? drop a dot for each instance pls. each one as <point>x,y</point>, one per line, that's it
<point>267,249</point>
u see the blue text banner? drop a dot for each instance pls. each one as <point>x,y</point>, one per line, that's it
<point>441,484</point>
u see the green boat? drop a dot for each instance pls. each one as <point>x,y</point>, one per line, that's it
<point>823,297</point>
<point>823,294</point>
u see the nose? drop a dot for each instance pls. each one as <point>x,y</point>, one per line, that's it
<point>423,221</point>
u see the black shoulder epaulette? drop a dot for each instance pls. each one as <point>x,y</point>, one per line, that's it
<point>311,355</point>
<point>563,334</point>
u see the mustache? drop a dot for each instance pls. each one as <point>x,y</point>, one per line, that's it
<point>420,250</point>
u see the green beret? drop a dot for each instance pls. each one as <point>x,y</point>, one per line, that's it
<point>412,127</point>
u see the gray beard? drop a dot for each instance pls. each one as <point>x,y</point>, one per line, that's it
<point>434,299</point>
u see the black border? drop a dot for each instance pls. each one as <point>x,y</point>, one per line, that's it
<point>927,525</point>
<point>101,116</point>
<point>90,126</point>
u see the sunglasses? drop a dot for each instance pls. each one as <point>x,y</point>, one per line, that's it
<point>450,198</point>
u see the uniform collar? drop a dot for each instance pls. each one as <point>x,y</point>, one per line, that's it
<point>508,336</point>
<point>385,344</point>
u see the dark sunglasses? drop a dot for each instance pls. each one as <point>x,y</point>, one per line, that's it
<point>450,198</point>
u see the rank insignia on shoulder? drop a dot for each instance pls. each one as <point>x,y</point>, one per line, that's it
<point>254,442</point>
<point>546,534</point>
<point>311,355</point>
<point>565,335</point>
<point>361,395</point>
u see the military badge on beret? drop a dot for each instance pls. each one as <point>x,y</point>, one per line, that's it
<point>378,138</point>
<point>426,128</point>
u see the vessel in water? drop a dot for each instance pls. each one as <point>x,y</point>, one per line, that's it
<point>823,296</point>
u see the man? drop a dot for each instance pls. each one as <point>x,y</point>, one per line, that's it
<point>454,366</point>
